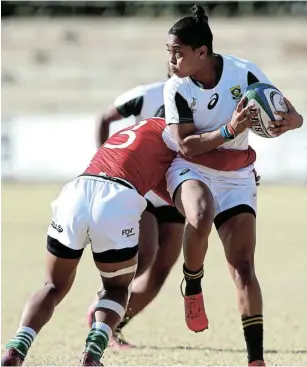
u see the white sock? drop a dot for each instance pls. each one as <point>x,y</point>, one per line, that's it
<point>28,330</point>
<point>102,326</point>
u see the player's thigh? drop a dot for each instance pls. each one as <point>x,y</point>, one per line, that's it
<point>238,235</point>
<point>66,236</point>
<point>70,218</point>
<point>61,272</point>
<point>190,191</point>
<point>193,199</point>
<point>118,274</point>
<point>148,239</point>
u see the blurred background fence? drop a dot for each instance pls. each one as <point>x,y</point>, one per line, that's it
<point>64,62</point>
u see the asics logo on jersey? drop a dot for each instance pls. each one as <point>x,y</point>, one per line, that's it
<point>186,170</point>
<point>213,101</point>
<point>57,227</point>
<point>128,232</point>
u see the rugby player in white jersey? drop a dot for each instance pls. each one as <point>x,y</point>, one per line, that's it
<point>103,207</point>
<point>203,97</point>
<point>159,251</point>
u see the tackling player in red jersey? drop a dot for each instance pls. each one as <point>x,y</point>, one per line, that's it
<point>103,207</point>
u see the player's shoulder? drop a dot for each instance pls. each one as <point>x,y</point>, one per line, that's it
<point>176,85</point>
<point>234,62</point>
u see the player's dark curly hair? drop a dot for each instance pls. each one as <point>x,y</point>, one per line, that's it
<point>194,30</point>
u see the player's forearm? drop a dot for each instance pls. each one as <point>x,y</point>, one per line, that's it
<point>103,131</point>
<point>201,143</point>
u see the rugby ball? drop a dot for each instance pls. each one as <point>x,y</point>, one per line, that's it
<point>267,99</point>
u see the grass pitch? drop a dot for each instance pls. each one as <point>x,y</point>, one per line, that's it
<point>159,332</point>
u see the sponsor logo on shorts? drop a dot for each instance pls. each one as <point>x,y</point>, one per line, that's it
<point>57,227</point>
<point>186,170</point>
<point>128,232</point>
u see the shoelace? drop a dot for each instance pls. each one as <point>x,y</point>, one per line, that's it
<point>181,285</point>
<point>194,307</point>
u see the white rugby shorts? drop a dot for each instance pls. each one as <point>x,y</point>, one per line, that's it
<point>95,210</point>
<point>229,189</point>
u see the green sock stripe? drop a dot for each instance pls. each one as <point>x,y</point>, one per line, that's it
<point>96,342</point>
<point>96,347</point>
<point>98,334</point>
<point>14,342</point>
<point>99,331</point>
<point>23,340</point>
<point>105,344</point>
<point>89,349</point>
<point>25,335</point>
<point>103,334</point>
<point>19,346</point>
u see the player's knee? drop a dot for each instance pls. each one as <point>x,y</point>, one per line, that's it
<point>201,221</point>
<point>115,287</point>
<point>119,292</point>
<point>244,270</point>
<point>117,284</point>
<point>52,290</point>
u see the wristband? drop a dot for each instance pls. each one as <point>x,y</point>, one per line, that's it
<point>227,132</point>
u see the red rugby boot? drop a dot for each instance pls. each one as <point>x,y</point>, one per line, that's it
<point>257,363</point>
<point>195,314</point>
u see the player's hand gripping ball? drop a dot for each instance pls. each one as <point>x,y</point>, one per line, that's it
<point>270,105</point>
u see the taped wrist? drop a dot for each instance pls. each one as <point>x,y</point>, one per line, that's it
<point>227,132</point>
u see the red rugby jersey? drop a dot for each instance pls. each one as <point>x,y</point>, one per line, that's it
<point>136,154</point>
<point>139,155</point>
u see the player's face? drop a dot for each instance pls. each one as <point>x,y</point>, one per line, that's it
<point>183,60</point>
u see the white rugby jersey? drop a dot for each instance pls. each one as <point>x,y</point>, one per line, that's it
<point>142,102</point>
<point>186,101</point>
